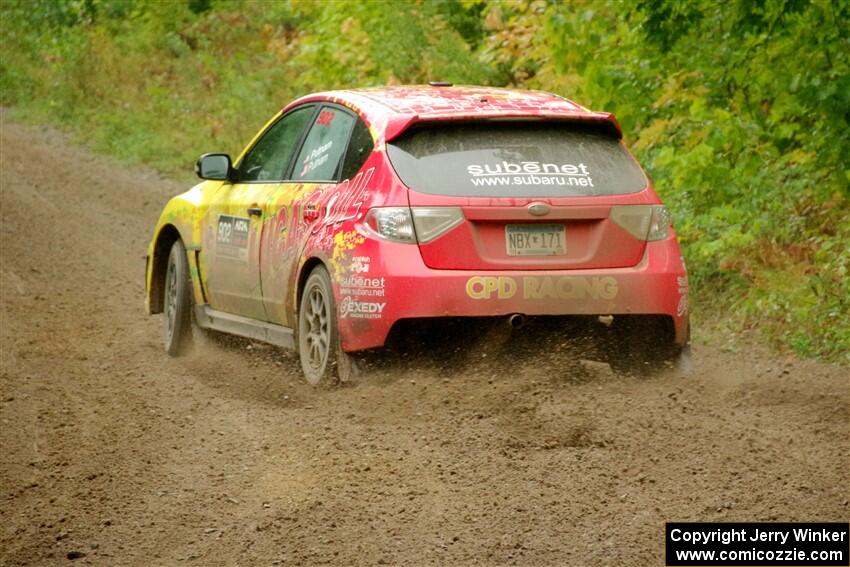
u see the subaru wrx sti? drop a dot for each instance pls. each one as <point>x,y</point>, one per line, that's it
<point>352,211</point>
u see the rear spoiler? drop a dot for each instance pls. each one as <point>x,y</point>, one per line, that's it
<point>400,123</point>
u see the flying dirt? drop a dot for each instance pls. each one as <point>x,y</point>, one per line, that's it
<point>484,453</point>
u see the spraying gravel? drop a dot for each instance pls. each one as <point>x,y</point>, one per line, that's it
<point>114,453</point>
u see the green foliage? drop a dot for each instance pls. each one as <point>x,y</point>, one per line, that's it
<point>741,114</point>
<point>154,81</point>
<point>740,111</point>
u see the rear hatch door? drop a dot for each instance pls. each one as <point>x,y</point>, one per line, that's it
<point>533,195</point>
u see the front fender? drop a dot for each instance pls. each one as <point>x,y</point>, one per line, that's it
<point>180,218</point>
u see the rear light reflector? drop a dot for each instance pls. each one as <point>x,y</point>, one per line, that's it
<point>659,226</point>
<point>431,222</point>
<point>644,222</point>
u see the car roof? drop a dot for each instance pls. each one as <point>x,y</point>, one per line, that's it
<point>392,109</point>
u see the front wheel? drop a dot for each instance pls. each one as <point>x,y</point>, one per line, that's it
<point>177,302</point>
<point>322,359</point>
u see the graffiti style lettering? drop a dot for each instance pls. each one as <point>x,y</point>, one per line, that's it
<point>346,201</point>
<point>353,200</point>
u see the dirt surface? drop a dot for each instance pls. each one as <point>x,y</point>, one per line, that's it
<point>115,454</point>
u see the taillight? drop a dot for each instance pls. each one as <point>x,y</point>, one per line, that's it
<point>645,222</point>
<point>411,225</point>
<point>392,223</point>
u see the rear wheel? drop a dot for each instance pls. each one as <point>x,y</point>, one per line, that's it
<point>322,359</point>
<point>177,302</point>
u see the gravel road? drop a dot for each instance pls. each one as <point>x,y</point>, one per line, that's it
<point>114,454</point>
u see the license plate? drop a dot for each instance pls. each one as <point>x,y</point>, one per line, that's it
<point>535,239</point>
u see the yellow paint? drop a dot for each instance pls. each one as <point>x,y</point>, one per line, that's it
<point>543,287</point>
<point>183,213</point>
<point>259,282</point>
<point>348,240</point>
<point>343,243</point>
<point>569,287</point>
<point>484,287</point>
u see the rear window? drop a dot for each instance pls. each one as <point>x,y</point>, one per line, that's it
<point>515,160</point>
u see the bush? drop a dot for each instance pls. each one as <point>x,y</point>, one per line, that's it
<point>739,111</point>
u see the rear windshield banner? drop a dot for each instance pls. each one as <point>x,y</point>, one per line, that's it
<point>510,160</point>
<point>529,173</point>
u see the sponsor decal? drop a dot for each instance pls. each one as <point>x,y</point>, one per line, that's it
<point>360,264</point>
<point>530,173</point>
<point>232,237</point>
<point>486,287</point>
<point>316,157</point>
<point>569,287</point>
<point>350,307</point>
<point>362,286</point>
<point>542,287</point>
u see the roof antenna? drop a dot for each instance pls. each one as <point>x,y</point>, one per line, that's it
<point>440,84</point>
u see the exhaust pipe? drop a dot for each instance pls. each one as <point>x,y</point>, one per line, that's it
<point>516,320</point>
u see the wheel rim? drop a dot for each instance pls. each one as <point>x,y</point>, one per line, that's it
<point>317,329</point>
<point>171,298</point>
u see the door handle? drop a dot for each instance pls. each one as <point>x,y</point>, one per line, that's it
<point>311,212</point>
<point>255,211</point>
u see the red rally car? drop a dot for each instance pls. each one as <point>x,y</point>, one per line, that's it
<point>354,210</point>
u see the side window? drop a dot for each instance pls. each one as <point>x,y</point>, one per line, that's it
<point>268,159</point>
<point>324,146</point>
<point>359,148</point>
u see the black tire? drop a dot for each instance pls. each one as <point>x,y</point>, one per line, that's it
<point>322,359</point>
<point>177,302</point>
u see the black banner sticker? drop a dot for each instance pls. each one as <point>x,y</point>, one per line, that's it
<point>763,544</point>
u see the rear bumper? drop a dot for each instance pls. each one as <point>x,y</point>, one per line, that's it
<point>400,286</point>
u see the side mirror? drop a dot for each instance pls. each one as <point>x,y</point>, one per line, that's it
<point>216,167</point>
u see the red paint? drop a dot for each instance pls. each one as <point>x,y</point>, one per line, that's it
<point>325,118</point>
<point>397,108</point>
<point>408,281</point>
